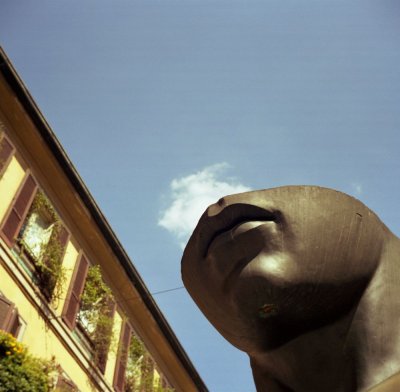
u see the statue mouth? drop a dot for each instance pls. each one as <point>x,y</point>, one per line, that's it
<point>229,219</point>
<point>234,230</point>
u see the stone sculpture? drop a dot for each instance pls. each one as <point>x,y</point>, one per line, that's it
<point>304,279</point>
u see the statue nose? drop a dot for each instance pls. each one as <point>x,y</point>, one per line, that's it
<point>216,208</point>
<point>226,201</point>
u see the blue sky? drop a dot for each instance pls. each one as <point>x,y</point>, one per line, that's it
<point>163,105</point>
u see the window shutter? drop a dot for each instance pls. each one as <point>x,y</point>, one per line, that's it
<point>15,323</point>
<point>63,237</point>
<point>122,359</point>
<point>6,313</point>
<point>71,306</point>
<point>105,331</point>
<point>6,152</point>
<point>19,209</point>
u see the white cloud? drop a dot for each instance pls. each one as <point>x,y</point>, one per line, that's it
<point>192,194</point>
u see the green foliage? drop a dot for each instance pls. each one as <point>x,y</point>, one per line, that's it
<point>94,314</point>
<point>139,375</point>
<point>21,372</point>
<point>136,350</point>
<point>133,375</point>
<point>96,293</point>
<point>160,388</point>
<point>95,298</point>
<point>42,203</point>
<point>51,273</point>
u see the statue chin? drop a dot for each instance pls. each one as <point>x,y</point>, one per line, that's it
<point>276,268</point>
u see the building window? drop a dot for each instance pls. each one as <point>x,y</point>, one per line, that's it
<point>138,374</point>
<point>135,369</point>
<point>96,314</point>
<point>90,307</point>
<point>94,302</point>
<point>33,225</point>
<point>43,239</point>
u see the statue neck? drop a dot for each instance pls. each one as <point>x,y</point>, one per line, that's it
<point>313,362</point>
<point>355,353</point>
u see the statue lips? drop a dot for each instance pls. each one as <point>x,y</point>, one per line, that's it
<point>232,233</point>
<point>229,219</point>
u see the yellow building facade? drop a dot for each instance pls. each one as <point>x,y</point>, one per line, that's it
<point>68,291</point>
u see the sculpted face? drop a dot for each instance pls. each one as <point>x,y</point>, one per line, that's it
<point>268,265</point>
